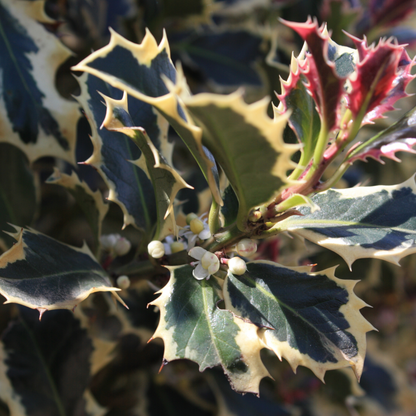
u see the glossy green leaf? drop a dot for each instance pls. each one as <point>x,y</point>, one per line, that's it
<point>18,190</point>
<point>247,144</point>
<point>165,180</point>
<point>33,116</point>
<point>44,274</point>
<point>146,73</point>
<point>309,319</point>
<point>192,326</point>
<point>362,222</point>
<point>91,203</point>
<point>129,186</point>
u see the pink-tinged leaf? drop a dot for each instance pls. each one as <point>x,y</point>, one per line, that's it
<point>382,74</point>
<point>399,137</point>
<point>325,86</point>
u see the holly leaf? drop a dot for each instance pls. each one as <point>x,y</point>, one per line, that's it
<point>18,189</point>
<point>165,180</point>
<point>33,116</point>
<point>304,119</point>
<point>44,274</point>
<point>130,187</point>
<point>247,144</point>
<point>145,74</point>
<point>324,84</point>
<point>381,76</point>
<point>192,326</point>
<point>398,137</point>
<point>38,372</point>
<point>363,222</point>
<point>310,319</point>
<point>91,203</point>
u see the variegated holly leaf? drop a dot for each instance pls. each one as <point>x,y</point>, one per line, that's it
<point>129,186</point>
<point>324,84</point>
<point>91,203</point>
<point>44,366</point>
<point>399,137</point>
<point>192,326</point>
<point>165,180</point>
<point>44,274</point>
<point>33,116</point>
<point>381,76</point>
<point>310,319</point>
<point>247,144</point>
<point>304,119</point>
<point>362,222</point>
<point>18,190</point>
<point>146,73</point>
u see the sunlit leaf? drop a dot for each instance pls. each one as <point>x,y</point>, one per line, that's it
<point>192,326</point>
<point>362,222</point>
<point>146,71</point>
<point>309,319</point>
<point>247,144</point>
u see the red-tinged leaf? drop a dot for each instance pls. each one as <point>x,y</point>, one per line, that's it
<point>382,74</point>
<point>325,86</point>
<point>399,137</point>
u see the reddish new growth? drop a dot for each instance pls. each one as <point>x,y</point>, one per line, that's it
<point>381,77</point>
<point>325,86</point>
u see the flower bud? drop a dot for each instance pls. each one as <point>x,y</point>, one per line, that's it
<point>191,216</point>
<point>156,249</point>
<point>246,247</point>
<point>108,241</point>
<point>196,226</point>
<point>123,282</point>
<point>237,266</point>
<point>122,246</point>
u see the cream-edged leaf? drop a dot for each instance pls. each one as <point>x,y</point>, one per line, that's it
<point>247,144</point>
<point>362,222</point>
<point>192,326</point>
<point>44,274</point>
<point>33,116</point>
<point>310,319</point>
<point>146,73</point>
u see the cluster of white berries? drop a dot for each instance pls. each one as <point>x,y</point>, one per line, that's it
<point>115,244</point>
<point>207,263</point>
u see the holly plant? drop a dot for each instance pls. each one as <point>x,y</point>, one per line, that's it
<point>224,300</point>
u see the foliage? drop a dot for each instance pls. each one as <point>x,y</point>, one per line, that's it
<point>206,180</point>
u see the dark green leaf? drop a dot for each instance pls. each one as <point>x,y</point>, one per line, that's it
<point>309,319</point>
<point>192,326</point>
<point>363,222</point>
<point>44,274</point>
